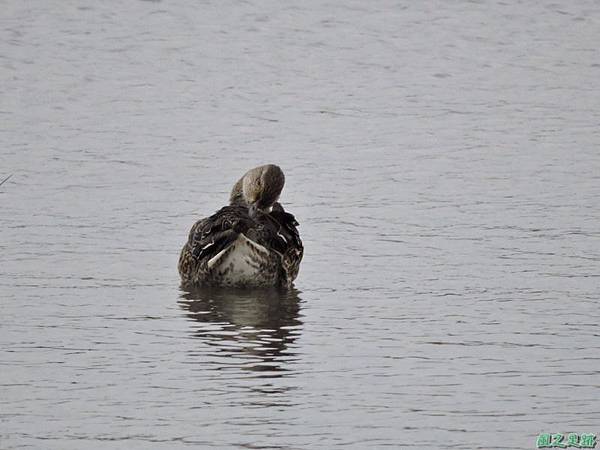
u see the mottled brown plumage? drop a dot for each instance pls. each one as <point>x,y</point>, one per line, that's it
<point>251,242</point>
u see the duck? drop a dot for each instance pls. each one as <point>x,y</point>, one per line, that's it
<point>251,242</point>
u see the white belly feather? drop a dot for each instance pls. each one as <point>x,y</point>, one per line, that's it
<point>244,262</point>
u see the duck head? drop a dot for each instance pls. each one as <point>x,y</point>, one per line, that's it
<point>259,188</point>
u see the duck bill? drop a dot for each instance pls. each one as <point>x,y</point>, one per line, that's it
<point>253,209</point>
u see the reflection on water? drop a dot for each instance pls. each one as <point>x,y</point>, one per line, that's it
<point>257,327</point>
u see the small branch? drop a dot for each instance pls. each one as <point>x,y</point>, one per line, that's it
<point>6,179</point>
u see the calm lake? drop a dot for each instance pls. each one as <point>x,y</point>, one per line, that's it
<point>442,158</point>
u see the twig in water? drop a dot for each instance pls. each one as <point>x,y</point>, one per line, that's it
<point>6,179</point>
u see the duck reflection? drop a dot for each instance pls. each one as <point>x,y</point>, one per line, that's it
<point>256,327</point>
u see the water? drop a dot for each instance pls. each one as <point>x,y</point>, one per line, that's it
<point>442,159</point>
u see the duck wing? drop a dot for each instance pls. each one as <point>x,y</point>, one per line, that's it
<point>285,234</point>
<point>287,242</point>
<point>211,235</point>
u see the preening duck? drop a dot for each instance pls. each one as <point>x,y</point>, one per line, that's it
<point>251,242</point>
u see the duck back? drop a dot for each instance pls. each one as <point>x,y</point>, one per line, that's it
<point>231,248</point>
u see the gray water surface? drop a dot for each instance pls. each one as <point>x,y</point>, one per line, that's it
<point>442,159</point>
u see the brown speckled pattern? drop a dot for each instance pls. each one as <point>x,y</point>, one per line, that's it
<point>276,232</point>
